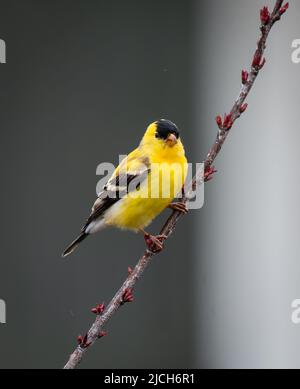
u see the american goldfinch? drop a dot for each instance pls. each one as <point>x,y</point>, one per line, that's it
<point>141,187</point>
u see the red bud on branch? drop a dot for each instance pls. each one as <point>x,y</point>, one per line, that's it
<point>98,309</point>
<point>262,64</point>
<point>209,172</point>
<point>243,107</point>
<point>101,334</point>
<point>245,76</point>
<point>127,296</point>
<point>129,270</point>
<point>258,62</point>
<point>264,15</point>
<point>227,122</point>
<point>219,121</point>
<point>284,9</point>
<point>82,341</point>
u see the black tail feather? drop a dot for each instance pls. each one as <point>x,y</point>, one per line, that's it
<point>74,244</point>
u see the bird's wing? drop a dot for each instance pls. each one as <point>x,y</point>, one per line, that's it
<point>129,175</point>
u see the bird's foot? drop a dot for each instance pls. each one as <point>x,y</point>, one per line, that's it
<point>154,243</point>
<point>180,207</point>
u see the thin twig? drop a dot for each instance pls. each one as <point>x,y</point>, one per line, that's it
<point>124,294</point>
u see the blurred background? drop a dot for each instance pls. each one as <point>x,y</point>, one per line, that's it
<point>82,81</point>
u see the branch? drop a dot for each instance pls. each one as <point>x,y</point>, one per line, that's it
<point>125,293</point>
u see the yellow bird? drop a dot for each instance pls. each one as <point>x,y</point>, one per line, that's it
<point>141,187</point>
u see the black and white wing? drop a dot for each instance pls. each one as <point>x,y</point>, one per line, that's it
<point>122,182</point>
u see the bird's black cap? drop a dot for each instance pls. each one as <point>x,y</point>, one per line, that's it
<point>165,128</point>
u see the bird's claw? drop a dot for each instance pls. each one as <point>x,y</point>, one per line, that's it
<point>154,243</point>
<point>180,207</point>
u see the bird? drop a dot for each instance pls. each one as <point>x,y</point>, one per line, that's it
<point>144,184</point>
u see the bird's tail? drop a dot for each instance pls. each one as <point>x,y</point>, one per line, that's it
<point>74,244</point>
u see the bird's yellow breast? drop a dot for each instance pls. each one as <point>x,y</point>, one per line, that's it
<point>164,182</point>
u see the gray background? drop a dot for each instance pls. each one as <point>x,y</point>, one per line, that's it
<point>82,81</point>
<point>247,269</point>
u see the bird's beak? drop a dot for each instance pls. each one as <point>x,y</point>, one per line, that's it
<point>171,140</point>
